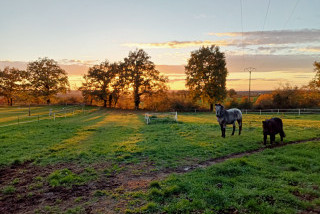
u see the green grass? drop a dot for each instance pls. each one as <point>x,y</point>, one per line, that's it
<point>102,144</point>
<point>124,137</point>
<point>283,180</point>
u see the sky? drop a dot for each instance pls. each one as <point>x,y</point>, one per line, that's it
<point>279,38</point>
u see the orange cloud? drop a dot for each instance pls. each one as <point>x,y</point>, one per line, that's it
<point>180,44</point>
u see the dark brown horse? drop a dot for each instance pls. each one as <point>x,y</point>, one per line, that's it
<point>272,127</point>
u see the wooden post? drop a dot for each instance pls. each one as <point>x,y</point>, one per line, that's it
<point>278,111</point>
<point>260,111</point>
<point>299,112</point>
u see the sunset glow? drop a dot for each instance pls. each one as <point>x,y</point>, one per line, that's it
<point>281,41</point>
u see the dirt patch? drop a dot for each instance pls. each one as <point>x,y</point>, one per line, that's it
<point>304,196</point>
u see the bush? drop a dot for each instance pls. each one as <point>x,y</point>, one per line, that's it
<point>264,101</point>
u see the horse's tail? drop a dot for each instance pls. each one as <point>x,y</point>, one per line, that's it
<point>282,132</point>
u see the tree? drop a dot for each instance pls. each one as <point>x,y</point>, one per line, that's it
<point>141,76</point>
<point>12,82</point>
<point>232,92</point>
<point>47,79</point>
<point>315,83</point>
<point>206,74</point>
<point>103,83</point>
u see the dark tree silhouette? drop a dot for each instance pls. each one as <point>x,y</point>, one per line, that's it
<point>315,83</point>
<point>46,78</point>
<point>12,83</point>
<point>141,76</point>
<point>206,74</point>
<point>103,83</point>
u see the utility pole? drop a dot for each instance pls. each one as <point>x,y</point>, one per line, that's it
<point>250,69</point>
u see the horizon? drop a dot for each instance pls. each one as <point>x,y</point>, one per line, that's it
<point>280,39</point>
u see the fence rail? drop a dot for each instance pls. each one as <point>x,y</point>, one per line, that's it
<point>298,111</point>
<point>52,114</point>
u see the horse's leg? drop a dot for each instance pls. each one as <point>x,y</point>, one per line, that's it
<point>234,127</point>
<point>240,126</point>
<point>272,138</point>
<point>223,130</point>
<point>281,137</point>
<point>265,139</point>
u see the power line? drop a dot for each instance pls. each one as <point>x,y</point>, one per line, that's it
<point>265,18</point>
<point>294,8</point>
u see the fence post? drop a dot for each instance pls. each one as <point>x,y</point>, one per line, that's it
<point>278,111</point>
<point>299,112</point>
<point>29,110</point>
<point>246,111</point>
<point>260,111</point>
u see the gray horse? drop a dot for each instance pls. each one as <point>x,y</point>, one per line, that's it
<point>230,116</point>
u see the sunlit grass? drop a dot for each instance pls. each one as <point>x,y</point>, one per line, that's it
<point>283,180</point>
<point>122,136</point>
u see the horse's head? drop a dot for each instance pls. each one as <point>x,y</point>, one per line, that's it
<point>219,110</point>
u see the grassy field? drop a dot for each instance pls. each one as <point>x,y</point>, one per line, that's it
<point>111,161</point>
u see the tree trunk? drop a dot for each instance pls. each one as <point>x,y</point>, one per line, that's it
<point>104,103</point>
<point>110,101</point>
<point>11,101</point>
<point>48,101</point>
<point>211,107</point>
<point>136,98</point>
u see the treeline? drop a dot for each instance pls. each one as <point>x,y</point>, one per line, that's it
<point>42,80</point>
<point>135,76</point>
<point>135,83</point>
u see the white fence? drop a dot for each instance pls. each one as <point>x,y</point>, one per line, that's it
<point>22,117</point>
<point>161,116</point>
<point>298,111</point>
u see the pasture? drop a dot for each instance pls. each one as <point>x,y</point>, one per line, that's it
<point>110,161</point>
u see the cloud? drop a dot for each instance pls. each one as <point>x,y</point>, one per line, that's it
<point>180,44</point>
<point>274,37</point>
<point>78,62</point>
<point>245,39</point>
<point>315,49</point>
